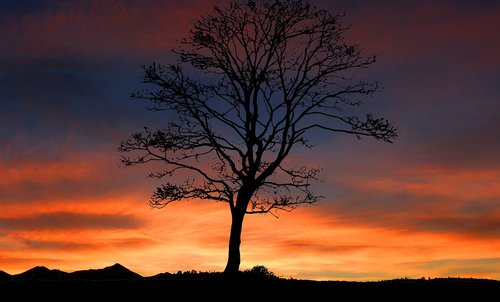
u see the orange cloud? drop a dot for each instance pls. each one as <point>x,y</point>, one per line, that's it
<point>44,172</point>
<point>303,244</point>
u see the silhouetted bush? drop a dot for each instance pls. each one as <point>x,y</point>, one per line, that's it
<point>260,272</point>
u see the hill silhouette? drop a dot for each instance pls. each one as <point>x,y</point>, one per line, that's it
<point>114,272</point>
<point>4,275</point>
<point>41,273</point>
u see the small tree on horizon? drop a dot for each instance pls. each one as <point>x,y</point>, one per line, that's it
<point>252,80</point>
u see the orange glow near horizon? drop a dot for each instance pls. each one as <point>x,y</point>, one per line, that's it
<point>311,242</point>
<point>304,244</point>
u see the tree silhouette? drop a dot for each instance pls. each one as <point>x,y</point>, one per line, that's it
<point>252,80</point>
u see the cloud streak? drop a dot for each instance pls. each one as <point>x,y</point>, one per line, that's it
<point>99,28</point>
<point>69,221</point>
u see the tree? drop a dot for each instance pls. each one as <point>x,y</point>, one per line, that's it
<point>251,82</point>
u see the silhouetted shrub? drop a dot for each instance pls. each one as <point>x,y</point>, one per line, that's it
<point>260,271</point>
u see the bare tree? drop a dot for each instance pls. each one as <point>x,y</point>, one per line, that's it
<point>252,80</point>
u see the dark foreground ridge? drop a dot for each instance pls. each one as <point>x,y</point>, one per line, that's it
<point>118,281</point>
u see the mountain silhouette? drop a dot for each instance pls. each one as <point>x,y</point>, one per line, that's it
<point>4,275</point>
<point>114,272</point>
<point>41,273</point>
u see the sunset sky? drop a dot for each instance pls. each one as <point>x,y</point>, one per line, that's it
<point>427,205</point>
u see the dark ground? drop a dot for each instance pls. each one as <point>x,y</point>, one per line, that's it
<point>262,290</point>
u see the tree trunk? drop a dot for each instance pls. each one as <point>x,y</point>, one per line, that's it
<point>234,259</point>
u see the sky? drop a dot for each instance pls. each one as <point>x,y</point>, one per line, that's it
<point>426,206</point>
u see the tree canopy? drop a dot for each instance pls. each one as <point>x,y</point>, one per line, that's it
<point>251,82</point>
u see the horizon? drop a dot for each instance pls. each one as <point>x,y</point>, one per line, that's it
<point>221,272</point>
<point>426,206</point>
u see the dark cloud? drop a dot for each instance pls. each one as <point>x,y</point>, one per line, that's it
<point>100,28</point>
<point>475,6</point>
<point>68,221</point>
<point>53,107</point>
<point>363,202</point>
<point>22,7</point>
<point>68,96</point>
<point>417,211</point>
<point>475,226</point>
<point>480,207</point>
<point>321,247</point>
<point>62,190</point>
<point>129,243</point>
<point>56,245</point>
